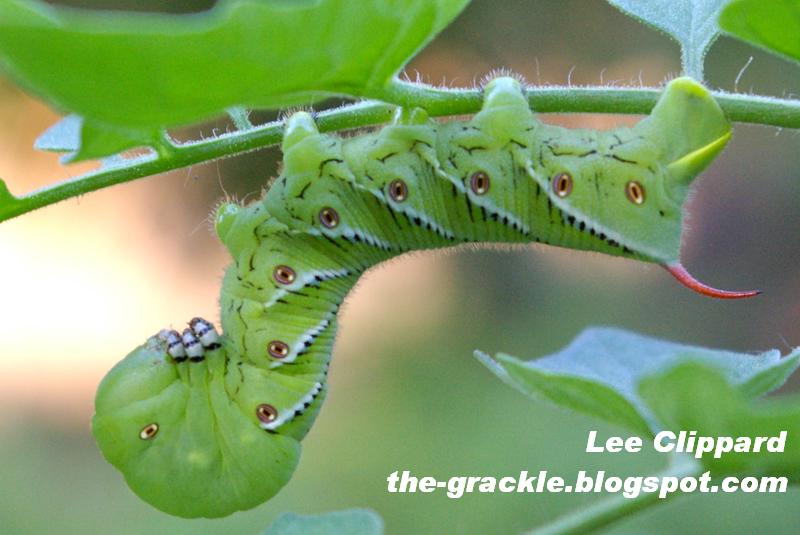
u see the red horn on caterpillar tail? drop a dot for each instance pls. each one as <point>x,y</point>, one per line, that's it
<point>685,278</point>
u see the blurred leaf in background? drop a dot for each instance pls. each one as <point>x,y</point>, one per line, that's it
<point>648,385</point>
<point>694,397</point>
<point>599,373</point>
<point>773,25</point>
<point>351,522</point>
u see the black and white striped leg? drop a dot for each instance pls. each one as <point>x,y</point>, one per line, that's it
<point>192,343</point>
<point>174,344</point>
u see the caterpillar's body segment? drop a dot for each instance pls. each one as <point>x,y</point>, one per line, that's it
<point>203,425</point>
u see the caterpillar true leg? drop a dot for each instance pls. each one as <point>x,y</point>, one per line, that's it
<point>203,424</point>
<point>205,333</point>
<point>192,343</point>
<point>174,344</point>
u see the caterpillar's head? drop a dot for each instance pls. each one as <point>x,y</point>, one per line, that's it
<point>224,219</point>
<point>236,224</point>
<point>626,187</point>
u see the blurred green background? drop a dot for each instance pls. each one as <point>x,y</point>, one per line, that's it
<point>87,280</point>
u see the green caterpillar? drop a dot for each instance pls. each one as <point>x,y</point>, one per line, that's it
<point>205,425</point>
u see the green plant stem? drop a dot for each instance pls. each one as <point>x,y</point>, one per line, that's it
<point>437,101</point>
<point>611,510</point>
<point>184,155</point>
<point>742,108</point>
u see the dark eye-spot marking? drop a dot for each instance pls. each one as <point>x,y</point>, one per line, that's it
<point>278,349</point>
<point>283,274</point>
<point>479,183</point>
<point>635,192</point>
<point>266,413</point>
<point>562,184</point>
<point>148,431</point>
<point>328,217</point>
<point>398,190</point>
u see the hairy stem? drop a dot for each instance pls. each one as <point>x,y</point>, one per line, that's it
<point>606,512</point>
<point>437,101</point>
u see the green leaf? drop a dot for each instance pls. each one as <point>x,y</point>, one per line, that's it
<point>694,397</point>
<point>693,23</point>
<point>570,391</point>
<point>350,522</point>
<point>773,26</point>
<point>771,377</point>
<point>99,139</point>
<point>131,74</point>
<point>88,140</point>
<point>600,371</point>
